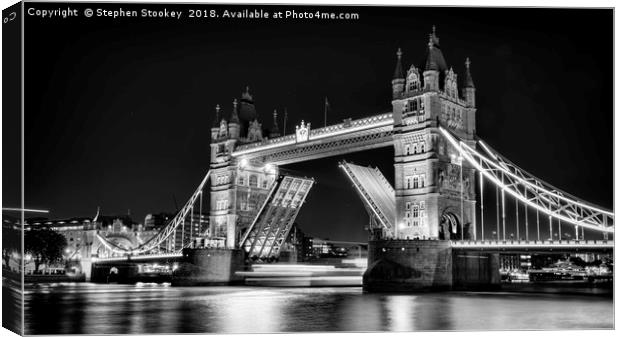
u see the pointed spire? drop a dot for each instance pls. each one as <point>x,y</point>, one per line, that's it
<point>434,58</point>
<point>398,72</point>
<point>216,121</point>
<point>469,81</point>
<point>234,115</point>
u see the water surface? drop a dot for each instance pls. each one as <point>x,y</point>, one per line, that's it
<point>148,308</point>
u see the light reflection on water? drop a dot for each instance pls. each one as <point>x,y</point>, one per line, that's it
<point>121,309</point>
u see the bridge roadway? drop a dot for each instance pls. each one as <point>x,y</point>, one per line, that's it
<point>556,246</point>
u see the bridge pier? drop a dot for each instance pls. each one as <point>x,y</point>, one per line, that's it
<point>86,266</point>
<point>427,265</point>
<point>209,266</point>
<point>408,265</point>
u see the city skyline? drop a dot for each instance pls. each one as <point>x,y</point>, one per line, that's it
<point>150,106</point>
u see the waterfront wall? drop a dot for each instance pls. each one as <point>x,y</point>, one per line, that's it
<point>209,267</point>
<point>475,270</point>
<point>123,272</point>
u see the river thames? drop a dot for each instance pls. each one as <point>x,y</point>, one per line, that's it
<point>85,308</point>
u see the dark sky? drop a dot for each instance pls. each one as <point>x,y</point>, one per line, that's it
<point>118,111</point>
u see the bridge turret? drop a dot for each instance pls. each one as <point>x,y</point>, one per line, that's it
<point>435,63</point>
<point>234,126</point>
<point>431,71</point>
<point>469,89</point>
<point>398,80</point>
<point>215,127</point>
<point>247,111</point>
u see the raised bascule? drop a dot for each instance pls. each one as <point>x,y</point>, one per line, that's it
<point>426,231</point>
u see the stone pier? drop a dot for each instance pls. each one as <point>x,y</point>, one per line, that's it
<point>200,267</point>
<point>427,265</point>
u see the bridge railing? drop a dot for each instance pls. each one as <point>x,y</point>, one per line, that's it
<point>135,257</point>
<point>537,243</point>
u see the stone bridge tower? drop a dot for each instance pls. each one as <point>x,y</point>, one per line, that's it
<point>435,194</point>
<point>238,187</point>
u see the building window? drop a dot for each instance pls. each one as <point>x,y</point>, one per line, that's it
<point>422,178</point>
<point>253,181</point>
<point>422,147</point>
<point>222,204</point>
<point>416,211</point>
<point>422,205</point>
<point>415,181</point>
<point>265,183</point>
<point>407,214</point>
<point>407,149</point>
<point>408,206</point>
<point>408,180</point>
<point>241,180</point>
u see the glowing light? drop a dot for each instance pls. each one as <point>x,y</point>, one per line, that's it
<point>243,163</point>
<point>269,168</point>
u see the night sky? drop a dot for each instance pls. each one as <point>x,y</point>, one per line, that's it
<point>118,112</point>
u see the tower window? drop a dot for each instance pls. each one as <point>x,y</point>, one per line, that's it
<point>416,211</point>
<point>415,181</point>
<point>408,206</point>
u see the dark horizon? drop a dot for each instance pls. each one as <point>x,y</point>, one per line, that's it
<point>118,112</point>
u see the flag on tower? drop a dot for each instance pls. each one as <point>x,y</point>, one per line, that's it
<point>326,108</point>
<point>284,123</point>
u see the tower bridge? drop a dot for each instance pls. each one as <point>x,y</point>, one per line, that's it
<point>443,172</point>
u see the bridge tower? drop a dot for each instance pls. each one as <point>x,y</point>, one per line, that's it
<point>238,186</point>
<point>435,194</point>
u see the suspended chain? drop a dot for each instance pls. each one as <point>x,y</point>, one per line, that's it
<point>536,193</point>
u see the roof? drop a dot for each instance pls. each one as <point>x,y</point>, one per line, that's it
<point>434,56</point>
<point>469,81</point>
<point>398,72</point>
